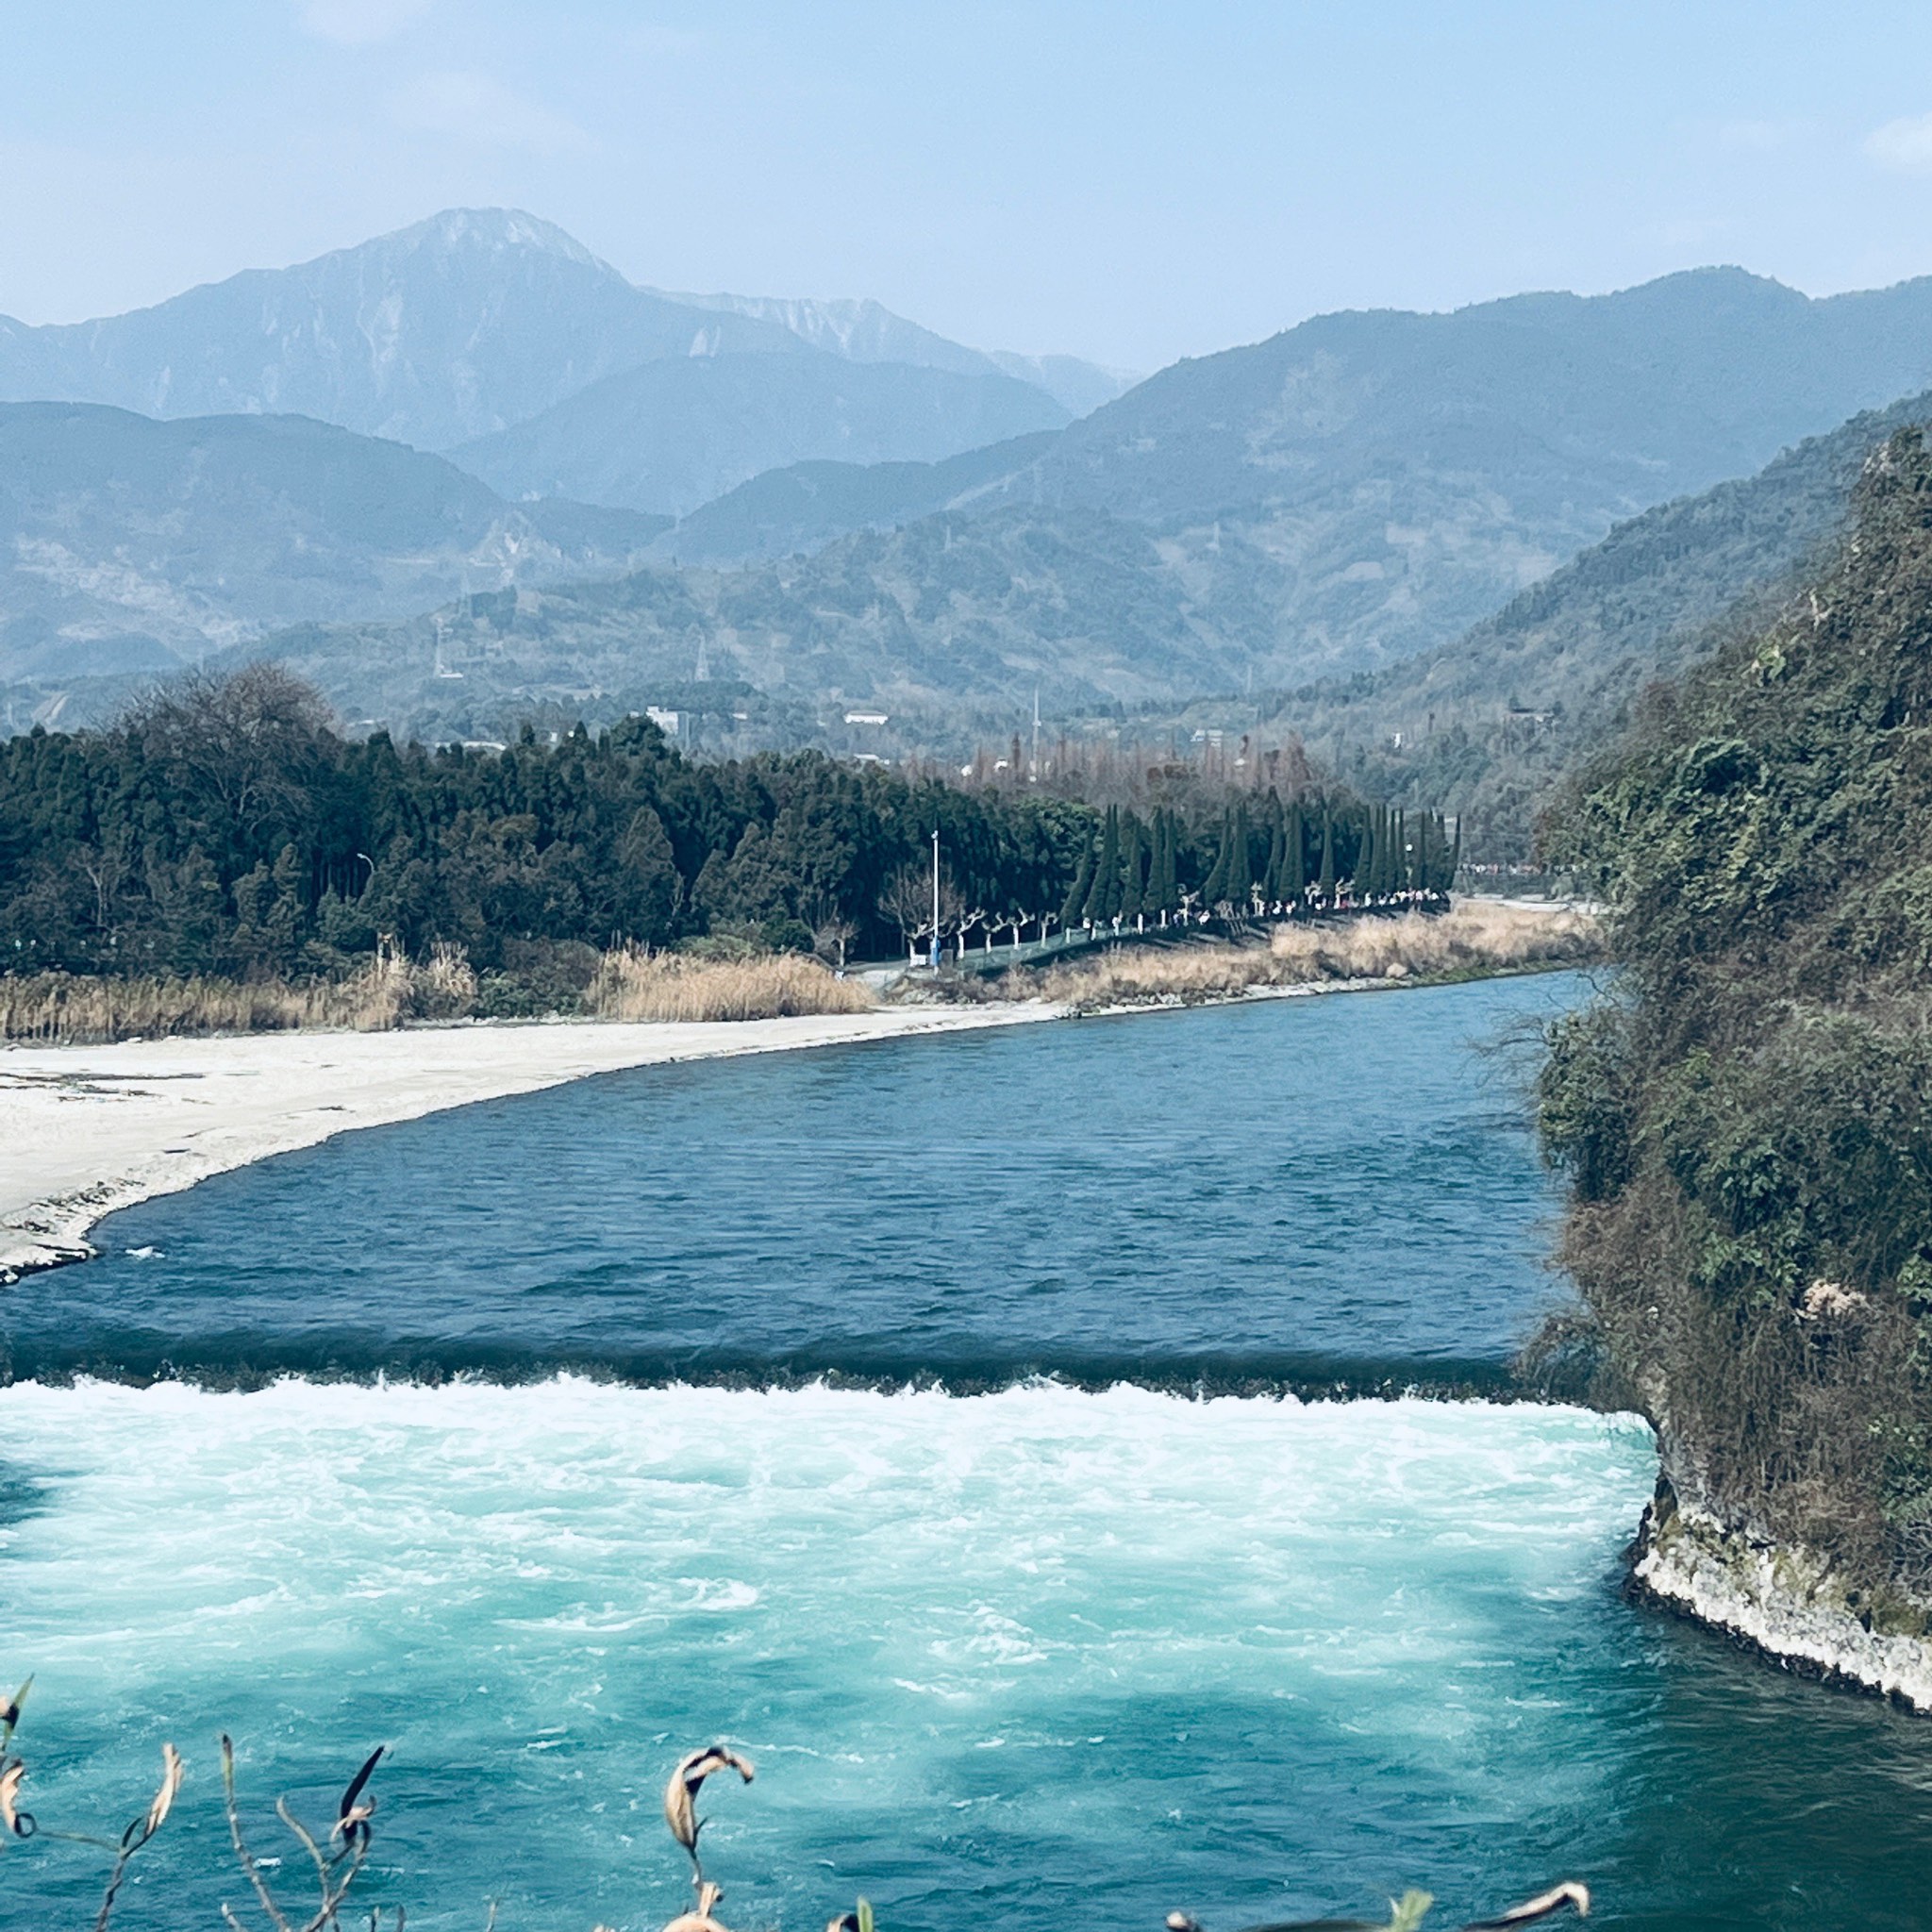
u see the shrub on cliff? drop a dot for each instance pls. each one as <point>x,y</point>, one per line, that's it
<point>1748,1121</point>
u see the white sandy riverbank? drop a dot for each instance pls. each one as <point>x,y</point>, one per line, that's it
<point>85,1130</point>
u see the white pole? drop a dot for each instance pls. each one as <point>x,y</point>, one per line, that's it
<point>936,891</point>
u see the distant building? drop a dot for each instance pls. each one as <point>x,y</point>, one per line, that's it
<point>866,717</point>
<point>665,720</point>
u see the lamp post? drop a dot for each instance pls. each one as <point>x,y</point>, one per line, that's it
<point>935,898</point>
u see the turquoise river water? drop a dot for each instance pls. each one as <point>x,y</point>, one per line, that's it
<point>948,1425</point>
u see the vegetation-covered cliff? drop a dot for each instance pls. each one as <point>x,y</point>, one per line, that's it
<point>1746,1116</point>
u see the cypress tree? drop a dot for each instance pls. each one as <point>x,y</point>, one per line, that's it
<point>1133,853</point>
<point>1171,866</point>
<point>1368,870</point>
<point>1277,854</point>
<point>1296,875</point>
<point>1326,885</point>
<point>1103,901</point>
<point>1216,889</point>
<point>1240,879</point>
<point>1424,859</point>
<point>1076,901</point>
<point>1455,857</point>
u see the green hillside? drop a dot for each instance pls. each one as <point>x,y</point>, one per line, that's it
<point>1487,724</point>
<point>1745,1119</point>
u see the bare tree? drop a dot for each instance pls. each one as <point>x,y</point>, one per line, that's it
<point>907,901</point>
<point>244,743</point>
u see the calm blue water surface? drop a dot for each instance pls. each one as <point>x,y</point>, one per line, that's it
<point>1288,1190</point>
<point>1008,1651</point>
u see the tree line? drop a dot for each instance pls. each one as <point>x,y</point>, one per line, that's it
<point>223,825</point>
<point>1270,861</point>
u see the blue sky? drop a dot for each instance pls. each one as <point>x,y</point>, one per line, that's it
<point>1130,182</point>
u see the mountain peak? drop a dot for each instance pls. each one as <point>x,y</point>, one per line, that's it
<point>496,231</point>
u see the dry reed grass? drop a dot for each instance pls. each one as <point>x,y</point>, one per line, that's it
<point>60,1009</point>
<point>1473,937</point>
<point>633,984</point>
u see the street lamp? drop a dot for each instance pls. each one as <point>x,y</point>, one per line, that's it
<point>935,898</point>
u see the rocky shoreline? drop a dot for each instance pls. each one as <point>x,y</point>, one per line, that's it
<point>1786,1603</point>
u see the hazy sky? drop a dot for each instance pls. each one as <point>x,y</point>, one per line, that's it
<point>1129,182</point>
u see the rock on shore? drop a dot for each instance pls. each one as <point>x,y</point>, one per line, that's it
<point>1785,1602</point>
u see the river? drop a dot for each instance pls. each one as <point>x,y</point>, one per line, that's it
<point>945,1422</point>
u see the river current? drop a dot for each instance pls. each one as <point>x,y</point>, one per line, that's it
<point>944,1423</point>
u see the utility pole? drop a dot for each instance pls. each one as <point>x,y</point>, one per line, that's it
<point>935,898</point>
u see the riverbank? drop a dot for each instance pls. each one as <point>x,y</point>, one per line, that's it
<point>92,1129</point>
<point>1475,940</point>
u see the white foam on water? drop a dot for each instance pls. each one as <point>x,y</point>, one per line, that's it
<point>981,1646</point>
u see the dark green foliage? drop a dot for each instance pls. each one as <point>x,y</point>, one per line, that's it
<point>1215,889</point>
<point>1295,876</point>
<point>1325,882</point>
<point>1074,905</point>
<point>225,827</point>
<point>1103,901</point>
<point>1490,722</point>
<point>1133,870</point>
<point>1747,1125</point>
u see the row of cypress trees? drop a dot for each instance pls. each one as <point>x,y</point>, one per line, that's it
<point>1284,856</point>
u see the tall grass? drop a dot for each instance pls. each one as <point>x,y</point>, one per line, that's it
<point>1471,939</point>
<point>632,984</point>
<point>59,1008</point>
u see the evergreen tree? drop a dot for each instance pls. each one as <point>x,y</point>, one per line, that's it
<point>1424,860</point>
<point>1240,877</point>
<point>1171,865</point>
<point>1076,901</point>
<point>1454,864</point>
<point>1326,883</point>
<point>1216,888</point>
<point>1133,858</point>
<point>1367,871</point>
<point>1295,876</point>
<point>1105,899</point>
<point>1277,853</point>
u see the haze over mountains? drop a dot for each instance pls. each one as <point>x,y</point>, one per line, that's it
<point>479,319</point>
<point>868,513</point>
<point>130,544</point>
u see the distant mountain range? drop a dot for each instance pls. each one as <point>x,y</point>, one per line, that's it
<point>1485,725</point>
<point>476,321</point>
<point>870,514</point>
<point>128,544</point>
<point>807,506</point>
<point>672,434</point>
<point>865,332</point>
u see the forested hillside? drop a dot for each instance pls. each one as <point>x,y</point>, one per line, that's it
<point>1489,724</point>
<point>675,433</point>
<point>1328,504</point>
<point>806,507</point>
<point>982,610</point>
<point>225,825</point>
<point>1746,1118</point>
<point>128,545</point>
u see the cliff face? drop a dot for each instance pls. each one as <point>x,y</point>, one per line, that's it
<point>1747,1119</point>
<point>1784,1600</point>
